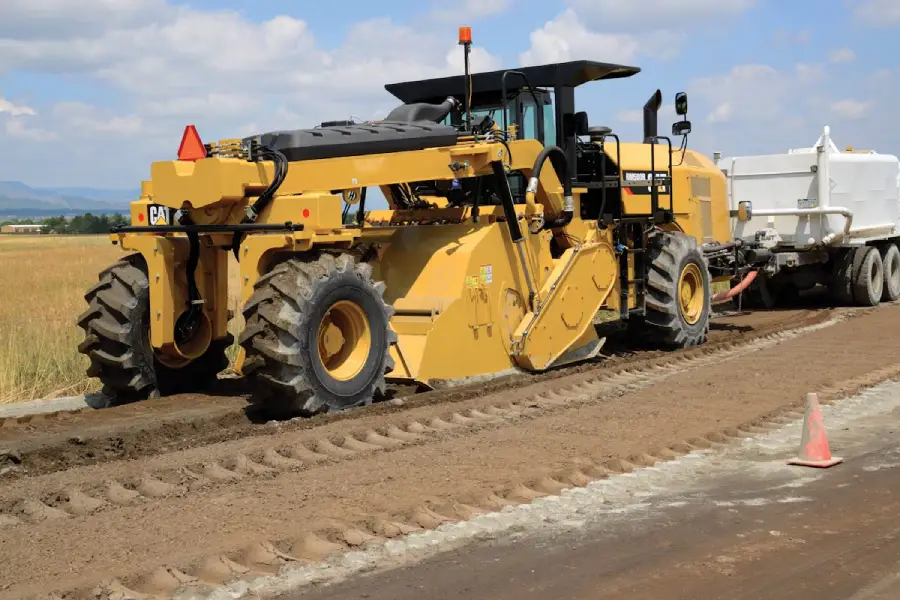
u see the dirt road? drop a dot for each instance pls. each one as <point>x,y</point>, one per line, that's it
<point>198,516</point>
<point>47,443</point>
<point>769,532</point>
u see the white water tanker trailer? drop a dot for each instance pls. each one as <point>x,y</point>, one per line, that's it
<point>816,216</point>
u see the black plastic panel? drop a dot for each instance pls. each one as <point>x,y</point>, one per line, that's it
<point>358,140</point>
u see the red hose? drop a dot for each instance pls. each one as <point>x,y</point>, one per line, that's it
<point>746,281</point>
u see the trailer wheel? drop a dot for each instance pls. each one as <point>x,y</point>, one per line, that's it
<point>890,259</point>
<point>117,340</point>
<point>842,276</point>
<point>316,336</point>
<point>868,280</point>
<point>678,291</point>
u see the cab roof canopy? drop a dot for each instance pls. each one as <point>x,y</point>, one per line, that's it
<point>486,87</point>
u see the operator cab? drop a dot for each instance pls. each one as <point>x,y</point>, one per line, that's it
<point>538,101</point>
<point>529,111</point>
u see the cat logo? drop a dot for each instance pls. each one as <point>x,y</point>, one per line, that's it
<point>159,215</point>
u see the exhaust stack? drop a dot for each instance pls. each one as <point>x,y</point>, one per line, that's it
<point>651,129</point>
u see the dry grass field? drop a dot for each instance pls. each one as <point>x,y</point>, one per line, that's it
<point>44,279</point>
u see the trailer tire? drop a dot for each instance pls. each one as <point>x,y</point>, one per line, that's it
<point>842,277</point>
<point>868,276</point>
<point>117,340</point>
<point>678,291</point>
<point>890,259</point>
<point>317,337</point>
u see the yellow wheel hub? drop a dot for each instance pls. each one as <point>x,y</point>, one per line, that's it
<point>344,340</point>
<point>691,293</point>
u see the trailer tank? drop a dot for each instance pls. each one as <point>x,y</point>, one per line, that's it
<point>818,211</point>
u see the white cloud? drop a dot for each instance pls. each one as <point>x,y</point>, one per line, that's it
<point>84,119</point>
<point>28,19</point>
<point>471,10</point>
<point>755,92</point>
<point>877,13</point>
<point>722,113</point>
<point>191,56</point>
<point>842,55</point>
<point>566,38</point>
<point>163,66</point>
<point>16,128</point>
<point>479,60</point>
<point>851,109</point>
<point>641,13</point>
<point>758,108</point>
<point>633,116</point>
<point>15,110</point>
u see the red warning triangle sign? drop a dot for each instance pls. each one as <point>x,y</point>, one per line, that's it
<point>191,147</point>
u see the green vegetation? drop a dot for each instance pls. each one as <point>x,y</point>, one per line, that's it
<point>85,224</point>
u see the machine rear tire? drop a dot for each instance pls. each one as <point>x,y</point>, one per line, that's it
<point>678,291</point>
<point>301,311</point>
<point>117,340</point>
<point>868,276</point>
<point>890,259</point>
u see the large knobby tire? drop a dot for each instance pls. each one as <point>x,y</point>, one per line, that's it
<point>890,259</point>
<point>868,276</point>
<point>678,291</point>
<point>317,337</point>
<point>117,340</point>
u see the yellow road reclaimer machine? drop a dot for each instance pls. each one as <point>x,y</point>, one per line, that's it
<point>510,223</point>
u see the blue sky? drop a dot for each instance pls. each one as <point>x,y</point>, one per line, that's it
<point>92,91</point>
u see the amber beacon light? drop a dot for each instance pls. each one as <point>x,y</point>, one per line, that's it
<point>465,35</point>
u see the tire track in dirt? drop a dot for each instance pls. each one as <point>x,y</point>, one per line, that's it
<point>50,443</point>
<point>321,536</point>
<point>292,513</point>
<point>81,492</point>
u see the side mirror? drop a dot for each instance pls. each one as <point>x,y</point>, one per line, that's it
<point>681,128</point>
<point>745,211</point>
<point>681,103</point>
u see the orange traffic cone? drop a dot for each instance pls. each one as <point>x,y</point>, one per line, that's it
<point>814,450</point>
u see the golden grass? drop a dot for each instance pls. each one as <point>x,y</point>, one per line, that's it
<point>44,279</point>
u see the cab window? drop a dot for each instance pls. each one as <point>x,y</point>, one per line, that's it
<point>530,125</point>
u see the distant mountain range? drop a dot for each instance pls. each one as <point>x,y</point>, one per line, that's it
<point>18,200</point>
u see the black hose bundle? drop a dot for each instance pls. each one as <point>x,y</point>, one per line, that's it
<point>258,153</point>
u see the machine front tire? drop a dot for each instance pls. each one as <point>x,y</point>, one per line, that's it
<point>117,340</point>
<point>317,336</point>
<point>678,291</point>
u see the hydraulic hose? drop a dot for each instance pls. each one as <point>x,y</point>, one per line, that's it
<point>187,324</point>
<point>560,164</point>
<point>743,285</point>
<point>281,170</point>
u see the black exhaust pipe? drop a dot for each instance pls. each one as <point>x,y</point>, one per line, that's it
<point>651,130</point>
